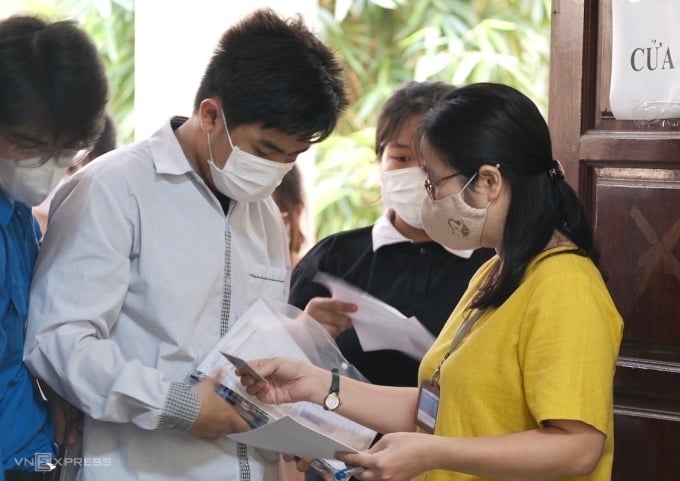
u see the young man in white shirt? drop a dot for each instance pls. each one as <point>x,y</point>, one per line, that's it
<point>155,249</point>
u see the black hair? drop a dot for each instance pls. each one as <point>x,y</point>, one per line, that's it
<point>495,124</point>
<point>275,72</point>
<point>413,98</point>
<point>52,81</point>
<point>106,140</point>
<point>289,197</point>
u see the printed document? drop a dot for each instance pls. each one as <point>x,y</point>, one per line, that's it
<point>379,325</point>
<point>302,428</point>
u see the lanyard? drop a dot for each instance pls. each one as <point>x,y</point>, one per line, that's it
<point>462,331</point>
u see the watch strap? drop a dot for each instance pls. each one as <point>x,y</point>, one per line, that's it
<point>335,381</point>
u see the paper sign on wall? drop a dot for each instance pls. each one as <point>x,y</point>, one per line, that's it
<point>645,82</point>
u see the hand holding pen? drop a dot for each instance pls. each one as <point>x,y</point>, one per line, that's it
<point>348,472</point>
<point>397,456</point>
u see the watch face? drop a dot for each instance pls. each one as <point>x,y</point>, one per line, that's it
<point>331,402</point>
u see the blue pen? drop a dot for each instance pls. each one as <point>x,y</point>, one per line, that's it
<point>345,474</point>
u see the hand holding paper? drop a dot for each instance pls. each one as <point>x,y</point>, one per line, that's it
<point>379,325</point>
<point>332,314</point>
<point>215,418</point>
<point>300,428</point>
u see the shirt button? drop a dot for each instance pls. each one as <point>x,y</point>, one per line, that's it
<point>423,250</point>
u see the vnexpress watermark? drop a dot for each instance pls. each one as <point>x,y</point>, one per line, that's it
<point>45,462</point>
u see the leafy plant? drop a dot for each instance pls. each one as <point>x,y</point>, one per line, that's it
<point>111,25</point>
<point>385,43</point>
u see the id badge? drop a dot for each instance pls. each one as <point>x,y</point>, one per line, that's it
<point>428,405</point>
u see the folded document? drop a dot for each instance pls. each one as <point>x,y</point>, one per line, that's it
<point>302,428</point>
<point>377,324</point>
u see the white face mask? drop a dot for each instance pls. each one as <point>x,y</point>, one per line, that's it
<point>403,192</point>
<point>454,223</point>
<point>29,185</point>
<point>246,177</point>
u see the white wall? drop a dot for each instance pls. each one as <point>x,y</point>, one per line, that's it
<point>173,45</point>
<point>12,7</point>
<point>174,40</point>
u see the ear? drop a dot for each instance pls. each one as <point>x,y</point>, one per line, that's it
<point>491,180</point>
<point>209,112</point>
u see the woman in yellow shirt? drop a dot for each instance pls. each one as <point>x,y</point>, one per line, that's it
<point>518,385</point>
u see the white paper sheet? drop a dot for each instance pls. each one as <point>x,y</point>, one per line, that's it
<point>379,325</point>
<point>288,433</point>
<point>645,81</point>
<point>302,428</point>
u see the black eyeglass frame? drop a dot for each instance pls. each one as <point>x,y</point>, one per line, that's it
<point>64,158</point>
<point>431,186</point>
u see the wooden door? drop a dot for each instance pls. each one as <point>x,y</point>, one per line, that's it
<point>628,176</point>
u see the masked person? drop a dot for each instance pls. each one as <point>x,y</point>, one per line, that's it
<point>156,250</point>
<point>290,198</point>
<point>53,92</point>
<point>105,143</point>
<point>519,384</point>
<point>394,260</point>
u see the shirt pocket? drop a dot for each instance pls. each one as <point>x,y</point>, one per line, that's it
<point>267,282</point>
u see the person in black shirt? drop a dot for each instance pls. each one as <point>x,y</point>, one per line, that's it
<point>393,260</point>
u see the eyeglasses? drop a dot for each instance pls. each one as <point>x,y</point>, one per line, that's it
<point>35,158</point>
<point>432,186</point>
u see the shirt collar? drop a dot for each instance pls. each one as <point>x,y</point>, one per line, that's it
<point>6,210</point>
<point>384,233</point>
<point>167,153</point>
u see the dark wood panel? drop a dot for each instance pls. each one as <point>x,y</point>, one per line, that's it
<point>654,385</point>
<point>627,175</point>
<point>651,149</point>
<point>637,226</point>
<point>564,112</point>
<point>646,448</point>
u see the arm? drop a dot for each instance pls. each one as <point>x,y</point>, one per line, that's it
<point>80,282</point>
<point>567,353</point>
<point>560,449</point>
<point>381,408</point>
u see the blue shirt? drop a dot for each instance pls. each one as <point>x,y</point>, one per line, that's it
<point>25,426</point>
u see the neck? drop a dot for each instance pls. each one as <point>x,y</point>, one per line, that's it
<point>407,230</point>
<point>558,240</point>
<point>194,143</point>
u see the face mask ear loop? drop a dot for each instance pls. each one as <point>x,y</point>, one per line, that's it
<point>469,182</point>
<point>224,121</point>
<point>210,148</point>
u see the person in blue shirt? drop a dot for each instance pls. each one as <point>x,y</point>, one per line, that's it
<point>53,94</point>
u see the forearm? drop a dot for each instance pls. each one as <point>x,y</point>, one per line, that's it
<point>93,375</point>
<point>384,409</point>
<point>531,455</point>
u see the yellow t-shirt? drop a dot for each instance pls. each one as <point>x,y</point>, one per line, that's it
<point>548,352</point>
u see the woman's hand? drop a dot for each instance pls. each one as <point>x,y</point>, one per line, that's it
<point>331,313</point>
<point>396,457</point>
<point>288,380</point>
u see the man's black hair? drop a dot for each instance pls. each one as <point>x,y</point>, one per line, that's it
<point>52,82</point>
<point>275,72</point>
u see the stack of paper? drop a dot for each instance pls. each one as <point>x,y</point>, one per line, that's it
<point>379,325</point>
<point>303,428</point>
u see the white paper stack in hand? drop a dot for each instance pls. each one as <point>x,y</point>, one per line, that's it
<point>379,325</point>
<point>301,428</point>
